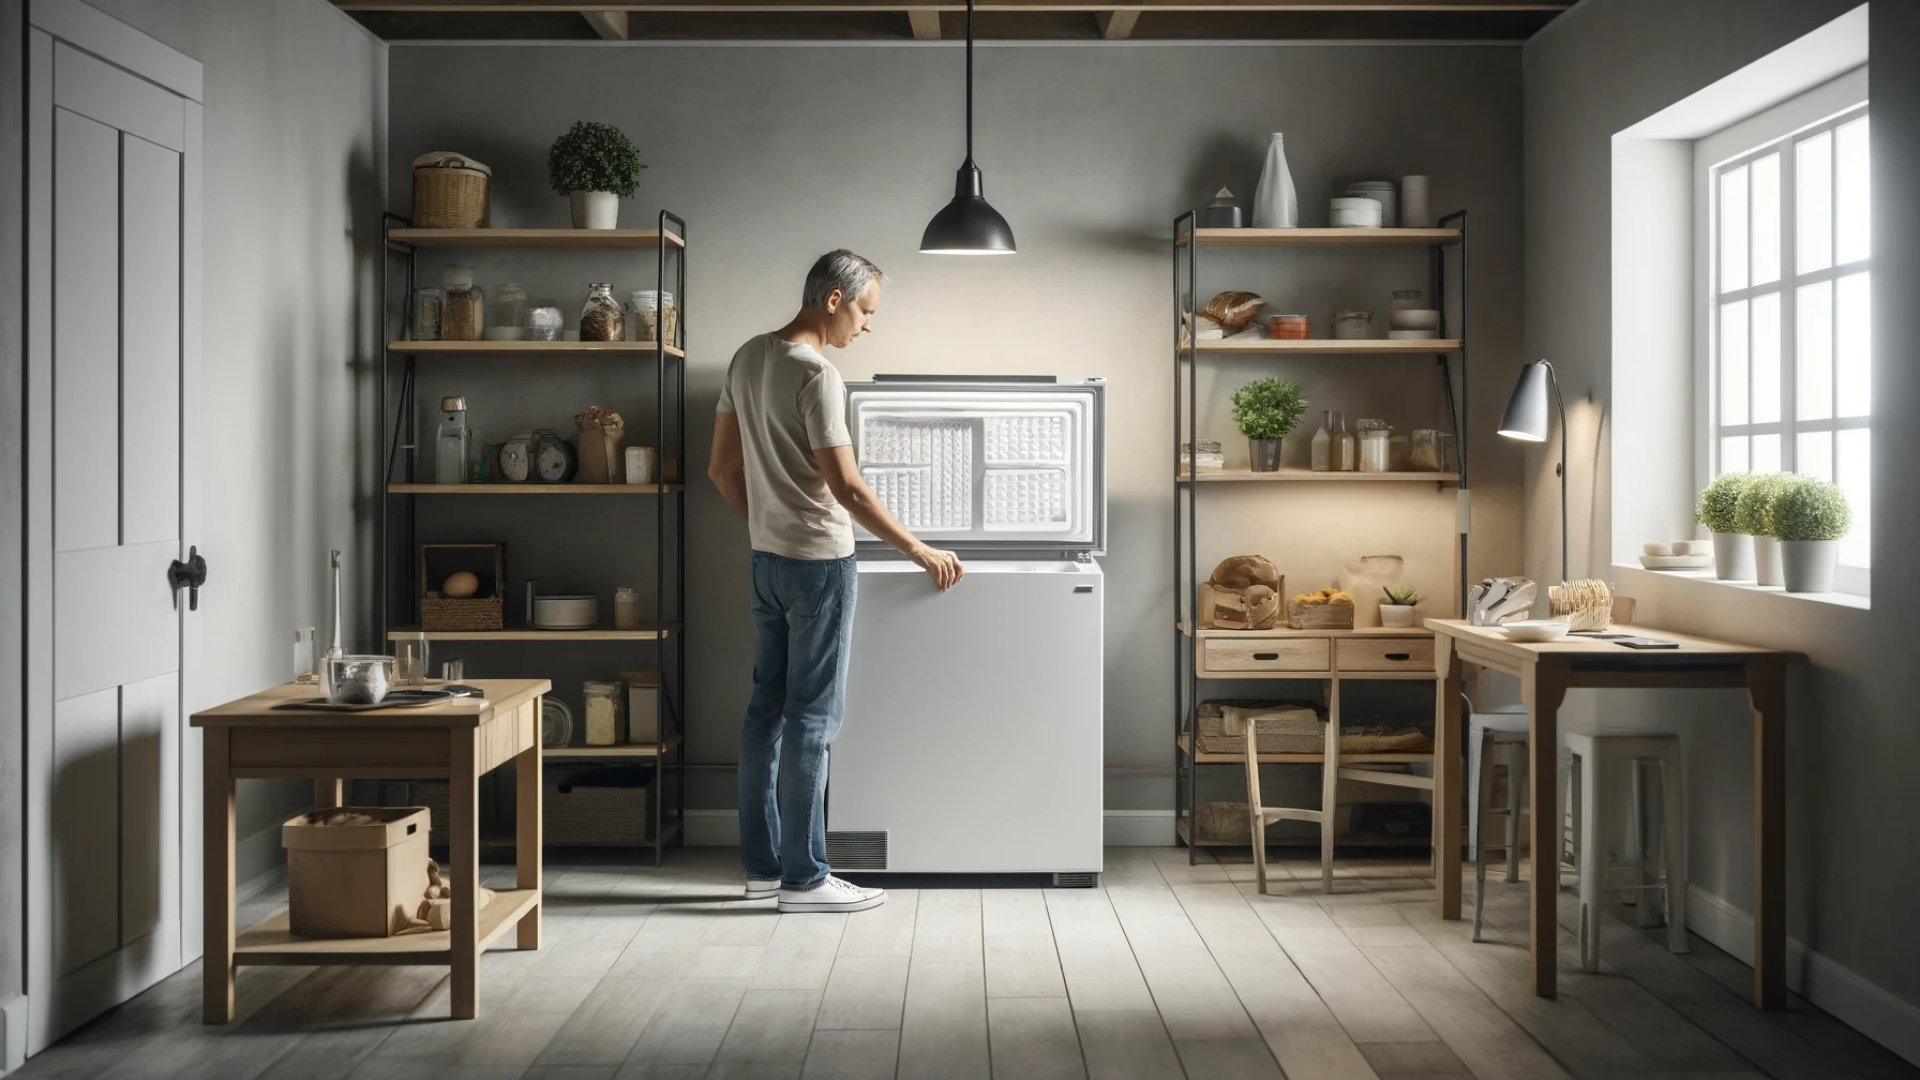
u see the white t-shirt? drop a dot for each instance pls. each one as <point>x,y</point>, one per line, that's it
<point>790,402</point>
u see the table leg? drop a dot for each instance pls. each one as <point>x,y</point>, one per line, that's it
<point>326,792</point>
<point>1329,785</point>
<point>463,849</point>
<point>1446,777</point>
<point>1544,686</point>
<point>1767,688</point>
<point>217,859</point>
<point>526,835</point>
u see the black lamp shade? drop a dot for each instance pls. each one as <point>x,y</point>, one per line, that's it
<point>1526,416</point>
<point>968,225</point>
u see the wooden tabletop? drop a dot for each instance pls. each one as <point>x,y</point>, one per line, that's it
<point>1692,650</point>
<point>503,695</point>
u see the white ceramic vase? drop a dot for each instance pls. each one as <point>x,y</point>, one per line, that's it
<point>1413,203</point>
<point>1398,616</point>
<point>1733,556</point>
<point>1275,205</point>
<point>595,209</point>
<point>1766,561</point>
<point>1807,565</point>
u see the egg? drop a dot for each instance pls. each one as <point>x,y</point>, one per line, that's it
<point>460,586</point>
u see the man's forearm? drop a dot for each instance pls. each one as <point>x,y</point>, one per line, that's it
<point>733,487</point>
<point>863,506</point>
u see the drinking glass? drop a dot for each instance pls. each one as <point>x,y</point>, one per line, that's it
<point>306,656</point>
<point>409,659</point>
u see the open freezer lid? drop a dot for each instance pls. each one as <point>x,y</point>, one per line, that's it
<point>999,466</point>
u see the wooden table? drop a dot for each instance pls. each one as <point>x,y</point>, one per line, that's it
<point>461,740</point>
<point>1546,672</point>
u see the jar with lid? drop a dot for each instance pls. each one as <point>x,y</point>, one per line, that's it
<point>1352,325</point>
<point>1375,449</point>
<point>464,315</point>
<point>651,317</point>
<point>453,445</point>
<point>626,608</point>
<point>427,303</point>
<point>606,712</point>
<point>600,317</point>
<point>1409,300</point>
<point>1428,452</point>
<point>510,312</point>
<point>544,321</point>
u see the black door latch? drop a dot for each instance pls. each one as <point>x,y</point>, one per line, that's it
<point>192,574</point>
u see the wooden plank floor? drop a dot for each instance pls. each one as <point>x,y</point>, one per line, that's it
<point>1167,970</point>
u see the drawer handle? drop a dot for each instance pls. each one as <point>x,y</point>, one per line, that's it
<point>1399,656</point>
<point>1266,656</point>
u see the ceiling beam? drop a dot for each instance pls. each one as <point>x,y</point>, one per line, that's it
<point>615,6</point>
<point>610,25</point>
<point>1116,25</point>
<point>926,23</point>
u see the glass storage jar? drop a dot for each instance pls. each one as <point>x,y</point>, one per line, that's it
<point>427,304</point>
<point>545,322</point>
<point>600,317</point>
<point>626,608</point>
<point>651,317</point>
<point>1352,325</point>
<point>606,713</point>
<point>464,316</point>
<point>510,308</point>
<point>1376,452</point>
<point>1428,451</point>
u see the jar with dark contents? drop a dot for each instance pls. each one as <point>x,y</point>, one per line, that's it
<point>602,319</point>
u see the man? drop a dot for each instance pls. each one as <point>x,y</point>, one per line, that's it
<point>783,458</point>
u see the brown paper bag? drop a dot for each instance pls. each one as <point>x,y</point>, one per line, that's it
<point>603,446</point>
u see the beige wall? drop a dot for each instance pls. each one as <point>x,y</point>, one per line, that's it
<point>1851,741</point>
<point>775,154</point>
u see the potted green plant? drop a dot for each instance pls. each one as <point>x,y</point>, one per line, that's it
<point>1397,604</point>
<point>1753,515</point>
<point>1809,518</point>
<point>595,166</point>
<point>1715,509</point>
<point>1266,410</point>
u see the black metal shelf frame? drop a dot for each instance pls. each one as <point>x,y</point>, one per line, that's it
<point>1186,421</point>
<point>402,435</point>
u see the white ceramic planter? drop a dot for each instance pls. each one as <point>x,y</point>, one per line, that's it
<point>1766,561</point>
<point>1733,556</point>
<point>1275,204</point>
<point>1807,565</point>
<point>595,209</point>
<point>1398,616</point>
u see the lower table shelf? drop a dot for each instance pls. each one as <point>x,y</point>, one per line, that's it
<point>618,750</point>
<point>270,942</point>
<point>1355,758</point>
<point>503,841</point>
<point>1185,833</point>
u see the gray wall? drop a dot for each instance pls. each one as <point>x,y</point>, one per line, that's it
<point>775,154</point>
<point>13,117</point>
<point>1851,740</point>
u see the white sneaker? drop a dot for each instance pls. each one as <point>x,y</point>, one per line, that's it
<point>763,888</point>
<point>832,894</point>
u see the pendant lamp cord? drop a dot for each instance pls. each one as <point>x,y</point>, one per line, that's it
<point>969,80</point>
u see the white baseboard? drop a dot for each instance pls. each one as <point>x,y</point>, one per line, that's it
<point>712,828</point>
<point>1139,828</point>
<point>13,1034</point>
<point>1887,1020</point>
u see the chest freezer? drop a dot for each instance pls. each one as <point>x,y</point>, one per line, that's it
<point>973,733</point>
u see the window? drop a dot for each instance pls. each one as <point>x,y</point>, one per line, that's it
<point>1790,313</point>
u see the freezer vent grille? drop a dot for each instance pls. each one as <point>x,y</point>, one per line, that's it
<point>1077,879</point>
<point>857,850</point>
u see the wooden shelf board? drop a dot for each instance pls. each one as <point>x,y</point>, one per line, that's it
<point>1317,237</point>
<point>539,238</point>
<point>1351,840</point>
<point>534,489</point>
<point>635,349</point>
<point>1406,758</point>
<point>1319,346</point>
<point>522,633</point>
<point>269,942</point>
<point>503,841</point>
<point>1308,476</point>
<point>1322,676</point>
<point>621,750</point>
<point>1285,632</point>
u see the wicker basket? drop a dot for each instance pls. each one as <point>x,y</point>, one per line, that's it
<point>591,807</point>
<point>1224,823</point>
<point>488,562</point>
<point>1319,616</point>
<point>451,192</point>
<point>442,614</point>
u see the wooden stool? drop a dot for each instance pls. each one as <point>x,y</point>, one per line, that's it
<point>1598,761</point>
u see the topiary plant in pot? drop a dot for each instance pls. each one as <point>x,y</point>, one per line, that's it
<point>1753,515</point>
<point>595,166</point>
<point>1810,517</point>
<point>1266,410</point>
<point>1717,509</point>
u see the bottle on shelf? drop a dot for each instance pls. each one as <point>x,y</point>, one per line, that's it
<point>1322,443</point>
<point>453,444</point>
<point>1343,450</point>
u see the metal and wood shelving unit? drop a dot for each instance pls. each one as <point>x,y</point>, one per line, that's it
<point>399,446</point>
<point>1325,656</point>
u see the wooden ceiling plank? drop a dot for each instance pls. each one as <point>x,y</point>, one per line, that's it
<point>610,25</point>
<point>926,23</point>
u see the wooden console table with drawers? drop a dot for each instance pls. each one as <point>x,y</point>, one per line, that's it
<point>461,740</point>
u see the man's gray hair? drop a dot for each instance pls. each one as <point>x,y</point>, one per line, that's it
<point>842,270</point>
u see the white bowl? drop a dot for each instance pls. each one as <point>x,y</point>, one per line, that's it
<point>1356,204</point>
<point>1413,335</point>
<point>1535,630</point>
<point>1657,550</point>
<point>1414,319</point>
<point>566,612</point>
<point>1354,219</point>
<point>1691,547</point>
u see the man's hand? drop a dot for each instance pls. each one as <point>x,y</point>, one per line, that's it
<point>943,566</point>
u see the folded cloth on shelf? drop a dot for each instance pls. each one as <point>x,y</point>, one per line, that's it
<point>1295,727</point>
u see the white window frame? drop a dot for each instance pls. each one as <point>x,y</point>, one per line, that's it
<point>1779,129</point>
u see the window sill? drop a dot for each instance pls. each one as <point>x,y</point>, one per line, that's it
<point>1705,579</point>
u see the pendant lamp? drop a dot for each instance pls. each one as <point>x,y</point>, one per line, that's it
<point>968,225</point>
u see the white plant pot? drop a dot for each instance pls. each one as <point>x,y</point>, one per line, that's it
<point>1766,561</point>
<point>1807,565</point>
<point>1398,616</point>
<point>1275,204</point>
<point>1733,556</point>
<point>595,209</point>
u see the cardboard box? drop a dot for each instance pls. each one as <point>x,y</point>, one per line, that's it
<point>643,705</point>
<point>355,880</point>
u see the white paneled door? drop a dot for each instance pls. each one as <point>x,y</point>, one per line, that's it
<point>113,158</point>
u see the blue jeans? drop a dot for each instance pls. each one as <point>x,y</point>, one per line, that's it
<point>803,626</point>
